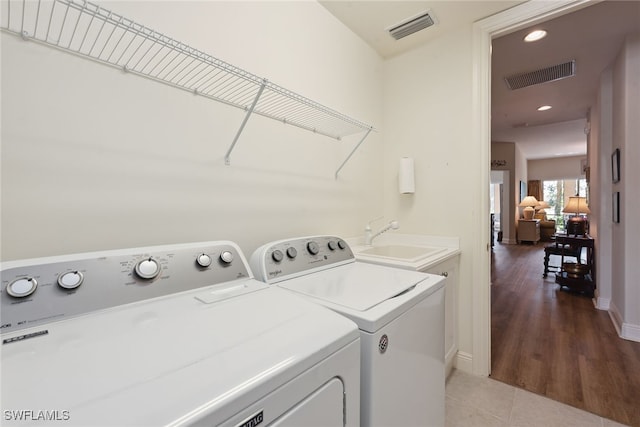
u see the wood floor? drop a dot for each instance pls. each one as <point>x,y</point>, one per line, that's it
<point>555,343</point>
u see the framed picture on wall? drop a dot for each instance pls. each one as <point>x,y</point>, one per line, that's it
<point>615,165</point>
<point>616,207</point>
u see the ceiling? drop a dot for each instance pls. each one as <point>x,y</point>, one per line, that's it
<point>370,19</point>
<point>592,36</point>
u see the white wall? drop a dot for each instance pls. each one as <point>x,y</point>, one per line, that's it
<point>94,158</point>
<point>424,119</point>
<point>625,302</point>
<point>522,174</point>
<point>600,143</point>
<point>97,159</point>
<point>506,151</point>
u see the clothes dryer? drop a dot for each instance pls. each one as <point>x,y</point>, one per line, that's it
<point>169,336</point>
<point>400,315</point>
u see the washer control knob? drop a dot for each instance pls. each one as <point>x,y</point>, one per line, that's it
<point>342,244</point>
<point>277,255</point>
<point>203,260</point>
<point>70,279</point>
<point>313,248</point>
<point>226,257</point>
<point>22,287</point>
<point>292,252</point>
<point>148,268</point>
<point>332,245</point>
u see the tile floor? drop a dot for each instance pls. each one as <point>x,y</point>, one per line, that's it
<point>479,402</point>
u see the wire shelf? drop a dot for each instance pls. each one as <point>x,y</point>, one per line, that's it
<point>91,31</point>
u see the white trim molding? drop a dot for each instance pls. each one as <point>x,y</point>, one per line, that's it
<point>464,362</point>
<point>626,331</point>
<point>630,332</point>
<point>602,303</point>
<point>510,20</point>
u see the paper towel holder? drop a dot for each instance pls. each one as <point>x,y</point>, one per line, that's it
<point>406,176</point>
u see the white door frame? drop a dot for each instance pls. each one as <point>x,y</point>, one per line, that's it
<point>523,15</point>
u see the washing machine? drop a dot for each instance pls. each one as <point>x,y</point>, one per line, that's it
<point>400,314</point>
<point>171,335</point>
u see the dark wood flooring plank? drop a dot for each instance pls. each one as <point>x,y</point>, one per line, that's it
<point>555,343</point>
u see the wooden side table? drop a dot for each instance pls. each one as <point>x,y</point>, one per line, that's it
<point>529,230</point>
<point>560,250</point>
<point>584,283</point>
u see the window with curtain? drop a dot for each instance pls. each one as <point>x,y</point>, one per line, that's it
<point>554,193</point>
<point>534,188</point>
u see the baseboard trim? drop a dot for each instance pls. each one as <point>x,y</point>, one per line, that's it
<point>464,362</point>
<point>602,303</point>
<point>630,332</point>
<point>625,331</point>
<point>616,319</point>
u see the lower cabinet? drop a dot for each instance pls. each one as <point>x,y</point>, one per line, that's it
<point>449,269</point>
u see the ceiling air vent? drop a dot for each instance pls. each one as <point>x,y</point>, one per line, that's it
<point>544,75</point>
<point>412,25</point>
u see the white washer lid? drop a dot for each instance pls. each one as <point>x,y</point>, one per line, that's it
<point>171,360</point>
<point>358,286</point>
<point>370,295</point>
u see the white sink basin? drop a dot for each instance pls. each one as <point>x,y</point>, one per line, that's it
<point>401,252</point>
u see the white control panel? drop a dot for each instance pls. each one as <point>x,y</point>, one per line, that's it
<point>289,258</point>
<point>42,290</point>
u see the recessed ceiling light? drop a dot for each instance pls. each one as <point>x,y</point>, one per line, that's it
<point>544,108</point>
<point>535,35</point>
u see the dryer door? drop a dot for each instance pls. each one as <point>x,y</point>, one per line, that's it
<point>325,395</point>
<point>295,405</point>
<point>325,407</point>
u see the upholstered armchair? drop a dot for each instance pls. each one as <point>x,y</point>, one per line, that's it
<point>547,226</point>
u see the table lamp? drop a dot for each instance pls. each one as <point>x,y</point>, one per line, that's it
<point>577,225</point>
<point>541,212</point>
<point>528,203</point>
<point>542,205</point>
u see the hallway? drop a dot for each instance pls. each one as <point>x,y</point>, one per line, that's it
<point>555,343</point>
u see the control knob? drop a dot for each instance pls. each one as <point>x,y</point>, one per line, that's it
<point>70,279</point>
<point>226,257</point>
<point>148,268</point>
<point>332,245</point>
<point>277,255</point>
<point>292,252</point>
<point>342,244</point>
<point>22,287</point>
<point>203,260</point>
<point>313,248</point>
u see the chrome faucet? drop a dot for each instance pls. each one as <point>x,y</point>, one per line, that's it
<point>368,232</point>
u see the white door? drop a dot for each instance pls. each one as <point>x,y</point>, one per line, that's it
<point>323,408</point>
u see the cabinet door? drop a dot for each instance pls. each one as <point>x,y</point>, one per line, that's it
<point>449,269</point>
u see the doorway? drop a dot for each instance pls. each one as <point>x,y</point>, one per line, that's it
<point>498,188</point>
<point>484,31</point>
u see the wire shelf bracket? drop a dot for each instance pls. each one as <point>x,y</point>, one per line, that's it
<point>227,158</point>
<point>88,30</point>
<point>352,151</point>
